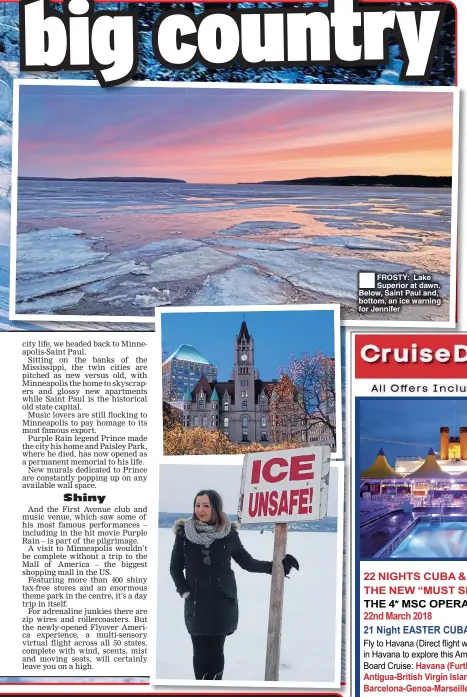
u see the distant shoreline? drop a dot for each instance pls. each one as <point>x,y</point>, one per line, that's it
<point>160,180</point>
<point>392,180</point>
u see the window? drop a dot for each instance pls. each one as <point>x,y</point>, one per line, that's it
<point>262,404</point>
<point>187,407</point>
<point>226,406</point>
<point>263,422</point>
<point>244,405</point>
<point>196,421</point>
<point>201,404</point>
<point>226,433</point>
<point>244,421</point>
<point>263,435</point>
<point>214,421</point>
<point>215,405</point>
<point>186,422</point>
<point>244,393</point>
<point>205,421</point>
<point>244,436</point>
<point>226,422</point>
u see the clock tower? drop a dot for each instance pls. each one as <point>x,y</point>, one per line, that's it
<point>244,377</point>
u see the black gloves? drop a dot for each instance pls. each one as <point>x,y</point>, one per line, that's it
<point>289,562</point>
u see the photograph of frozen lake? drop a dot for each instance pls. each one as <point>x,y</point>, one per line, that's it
<point>166,195</point>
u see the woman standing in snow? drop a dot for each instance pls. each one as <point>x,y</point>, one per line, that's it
<point>200,566</point>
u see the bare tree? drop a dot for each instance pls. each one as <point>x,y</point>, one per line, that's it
<point>304,399</point>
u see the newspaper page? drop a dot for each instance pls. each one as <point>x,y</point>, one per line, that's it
<point>231,276</point>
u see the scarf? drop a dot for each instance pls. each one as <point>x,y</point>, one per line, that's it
<point>203,534</point>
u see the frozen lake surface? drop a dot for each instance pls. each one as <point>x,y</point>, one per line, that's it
<point>310,621</point>
<point>123,248</point>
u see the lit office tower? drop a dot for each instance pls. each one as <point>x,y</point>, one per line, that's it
<point>183,370</point>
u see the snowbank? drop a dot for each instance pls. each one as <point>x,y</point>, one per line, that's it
<point>310,626</point>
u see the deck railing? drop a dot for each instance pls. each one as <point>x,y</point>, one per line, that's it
<point>389,548</point>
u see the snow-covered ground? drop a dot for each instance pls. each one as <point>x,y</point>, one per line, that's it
<point>311,624</point>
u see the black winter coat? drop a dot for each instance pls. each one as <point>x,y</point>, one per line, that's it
<point>212,606</point>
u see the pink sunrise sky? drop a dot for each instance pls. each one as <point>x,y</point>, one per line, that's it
<point>232,135</point>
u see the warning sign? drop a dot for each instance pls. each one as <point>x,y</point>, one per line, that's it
<point>285,486</point>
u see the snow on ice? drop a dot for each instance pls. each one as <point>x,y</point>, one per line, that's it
<point>333,276</point>
<point>155,298</point>
<point>49,304</point>
<point>4,222</point>
<point>251,244</point>
<point>52,251</point>
<point>310,623</point>
<point>161,248</point>
<point>243,285</point>
<point>353,218</point>
<point>54,283</point>
<point>256,227</point>
<point>189,264</point>
<point>220,263</point>
<point>350,242</point>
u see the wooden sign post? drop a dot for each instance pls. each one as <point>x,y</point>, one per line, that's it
<point>283,487</point>
<point>273,650</point>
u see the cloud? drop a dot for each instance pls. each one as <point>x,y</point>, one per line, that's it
<point>230,135</point>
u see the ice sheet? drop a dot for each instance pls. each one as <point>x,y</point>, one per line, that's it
<point>266,239</point>
<point>179,267</point>
<point>252,244</point>
<point>5,143</point>
<point>409,220</point>
<point>6,99</point>
<point>99,286</point>
<point>336,277</point>
<point>53,251</point>
<point>154,298</point>
<point>4,265</point>
<point>4,222</point>
<point>256,227</point>
<point>161,248</point>
<point>49,304</point>
<point>55,283</point>
<point>350,242</point>
<point>241,286</point>
<point>48,233</point>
